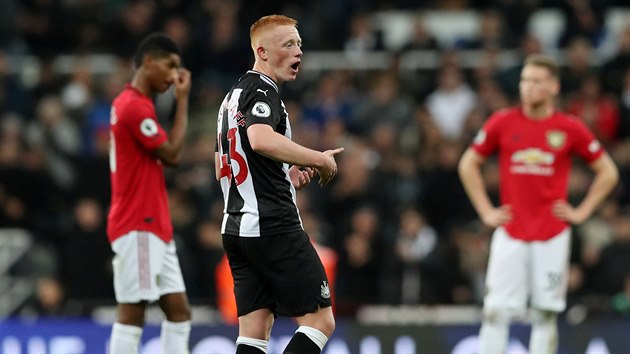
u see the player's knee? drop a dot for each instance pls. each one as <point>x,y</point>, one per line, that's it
<point>324,322</point>
<point>181,315</point>
<point>131,314</point>
<point>256,324</point>
<point>497,316</point>
<point>542,317</point>
<point>328,326</point>
<point>175,307</point>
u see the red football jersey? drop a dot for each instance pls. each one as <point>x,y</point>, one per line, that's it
<point>534,164</point>
<point>139,198</point>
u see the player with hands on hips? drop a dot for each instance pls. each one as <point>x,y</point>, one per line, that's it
<point>529,251</point>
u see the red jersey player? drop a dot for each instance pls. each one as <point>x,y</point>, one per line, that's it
<point>529,253</point>
<point>146,267</point>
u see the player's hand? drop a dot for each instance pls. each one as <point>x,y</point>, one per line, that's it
<point>300,177</point>
<point>328,171</point>
<point>565,211</point>
<point>496,217</point>
<point>182,84</point>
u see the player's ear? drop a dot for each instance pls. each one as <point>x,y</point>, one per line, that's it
<point>147,60</point>
<point>555,88</point>
<point>262,53</point>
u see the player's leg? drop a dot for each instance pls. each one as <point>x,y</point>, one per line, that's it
<point>127,330</point>
<point>544,337</point>
<point>254,329</point>
<point>506,291</point>
<point>175,331</point>
<point>313,333</point>
<point>254,299</point>
<point>134,286</point>
<point>549,286</point>
<point>301,288</point>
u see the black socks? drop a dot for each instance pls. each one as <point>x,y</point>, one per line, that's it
<point>301,344</point>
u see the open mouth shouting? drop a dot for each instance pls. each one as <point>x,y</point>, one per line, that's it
<point>295,66</point>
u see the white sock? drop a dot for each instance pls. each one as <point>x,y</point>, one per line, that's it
<point>315,335</point>
<point>174,337</point>
<point>253,342</point>
<point>494,332</point>
<point>125,339</point>
<point>544,337</point>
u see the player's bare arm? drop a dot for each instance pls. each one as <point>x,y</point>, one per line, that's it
<point>217,166</point>
<point>606,177</point>
<point>170,152</point>
<point>264,140</point>
<point>470,174</point>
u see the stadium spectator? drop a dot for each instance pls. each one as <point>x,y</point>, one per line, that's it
<point>578,67</point>
<point>444,198</point>
<point>420,38</point>
<point>360,263</point>
<point>492,33</point>
<point>415,243</point>
<point>86,233</point>
<point>384,102</point>
<point>133,22</point>
<point>332,99</point>
<point>610,272</point>
<point>584,18</point>
<point>598,110</point>
<point>49,301</point>
<point>363,38</point>
<point>615,68</point>
<point>12,93</point>
<point>58,136</point>
<point>596,233</point>
<point>451,103</point>
<point>472,241</point>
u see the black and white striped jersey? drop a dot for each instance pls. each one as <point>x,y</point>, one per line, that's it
<point>258,194</point>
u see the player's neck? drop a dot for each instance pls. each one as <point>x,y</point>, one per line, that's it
<point>140,83</point>
<point>264,68</point>
<point>538,112</point>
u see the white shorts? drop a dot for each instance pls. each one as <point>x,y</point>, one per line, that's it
<point>520,271</point>
<point>145,268</point>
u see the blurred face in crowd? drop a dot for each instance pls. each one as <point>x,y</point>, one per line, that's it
<point>537,86</point>
<point>450,78</point>
<point>278,48</point>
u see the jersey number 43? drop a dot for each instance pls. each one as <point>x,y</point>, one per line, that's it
<point>232,156</point>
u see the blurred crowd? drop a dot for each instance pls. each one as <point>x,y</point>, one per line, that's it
<point>395,220</point>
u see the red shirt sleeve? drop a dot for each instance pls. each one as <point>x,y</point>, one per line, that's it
<point>585,145</point>
<point>487,140</point>
<point>144,127</point>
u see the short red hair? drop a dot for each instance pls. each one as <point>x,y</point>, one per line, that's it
<point>267,22</point>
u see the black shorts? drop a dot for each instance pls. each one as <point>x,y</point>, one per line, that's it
<point>282,273</point>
